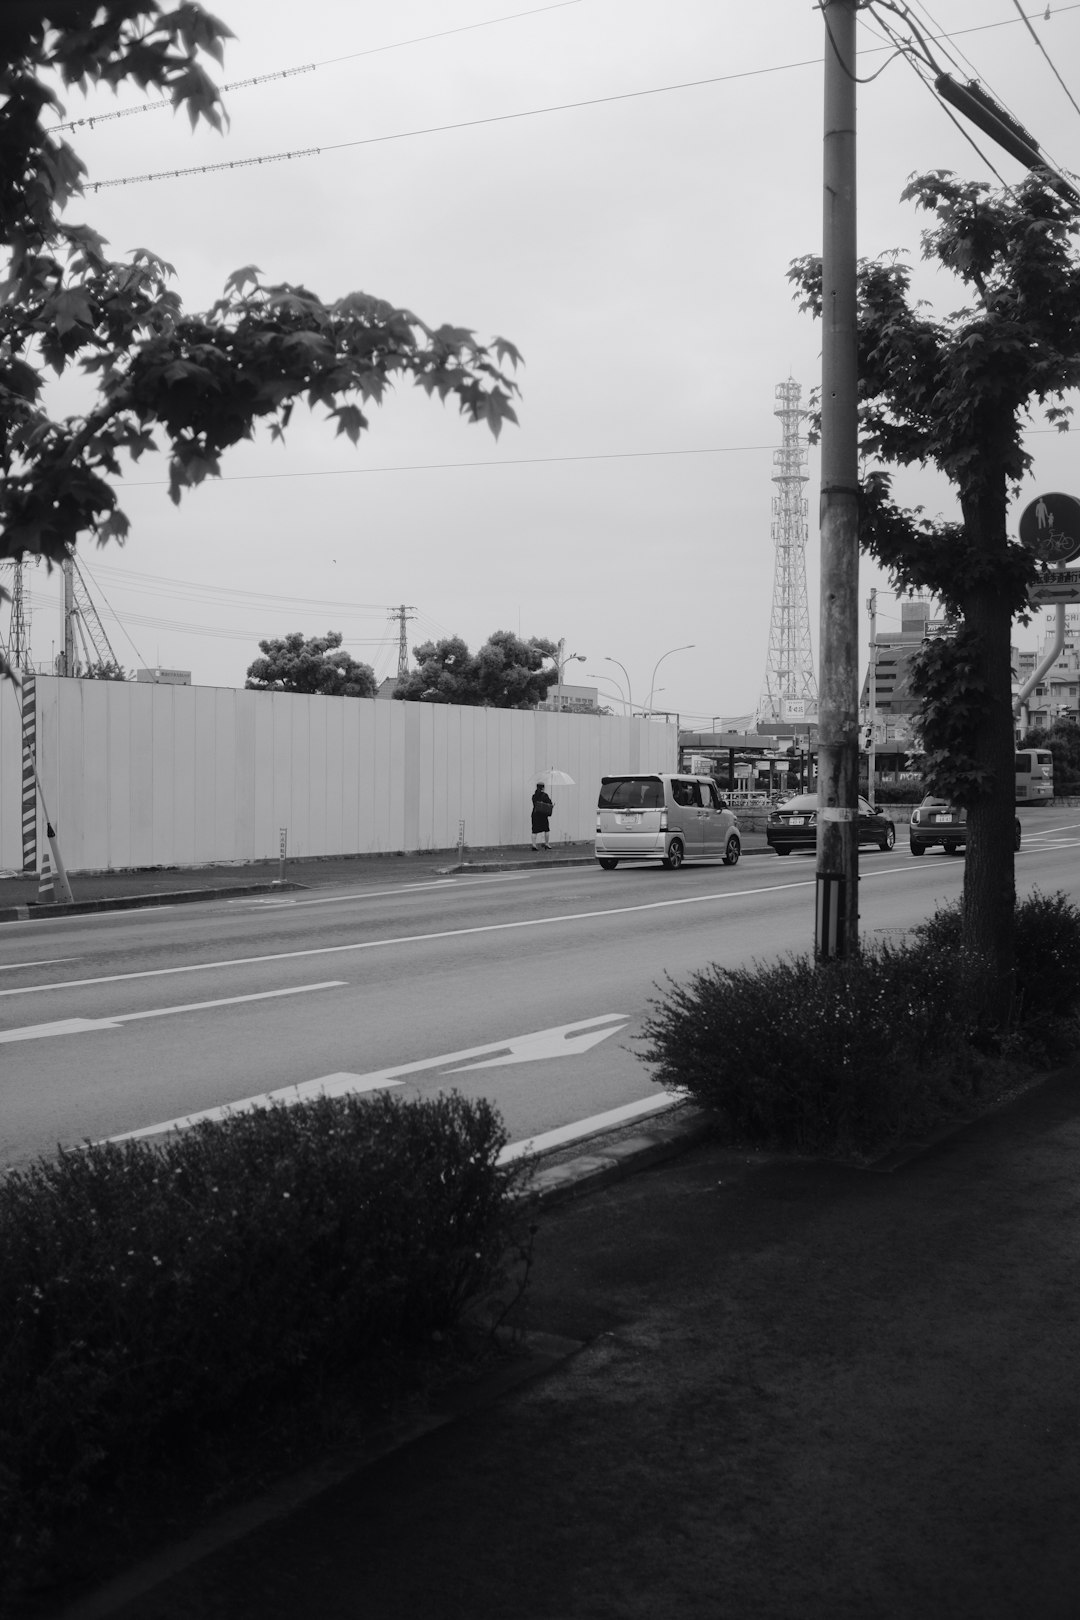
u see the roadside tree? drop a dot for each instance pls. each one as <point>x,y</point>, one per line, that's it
<point>1063,741</point>
<point>296,663</point>
<point>954,392</point>
<point>192,385</point>
<point>506,673</point>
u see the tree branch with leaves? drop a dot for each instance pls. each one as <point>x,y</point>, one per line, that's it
<point>193,385</point>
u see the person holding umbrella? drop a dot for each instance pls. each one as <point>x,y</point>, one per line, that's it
<point>542,807</point>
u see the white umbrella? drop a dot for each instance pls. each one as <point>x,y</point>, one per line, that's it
<point>555,778</point>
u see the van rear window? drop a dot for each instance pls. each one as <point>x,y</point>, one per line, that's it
<point>632,793</point>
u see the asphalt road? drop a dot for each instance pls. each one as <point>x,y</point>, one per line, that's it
<point>527,987</point>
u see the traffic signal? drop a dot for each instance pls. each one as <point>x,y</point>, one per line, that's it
<point>868,739</point>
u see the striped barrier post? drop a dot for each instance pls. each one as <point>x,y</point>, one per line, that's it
<point>29,778</point>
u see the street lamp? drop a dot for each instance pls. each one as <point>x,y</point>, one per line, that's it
<point>611,682</point>
<point>659,661</point>
<point>629,692</point>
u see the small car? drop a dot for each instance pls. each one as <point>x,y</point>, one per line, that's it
<point>666,818</point>
<point>793,825</point>
<point>936,821</point>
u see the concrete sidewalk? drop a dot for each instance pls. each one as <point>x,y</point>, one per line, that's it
<point>787,1390</point>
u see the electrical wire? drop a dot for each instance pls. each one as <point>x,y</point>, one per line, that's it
<point>310,67</point>
<point>900,48</point>
<point>120,623</point>
<point>913,61</point>
<point>1027,24</point>
<point>442,466</point>
<point>443,129</point>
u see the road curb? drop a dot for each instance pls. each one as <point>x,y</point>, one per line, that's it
<point>33,912</point>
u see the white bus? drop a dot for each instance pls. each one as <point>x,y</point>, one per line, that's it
<point>1034,776</point>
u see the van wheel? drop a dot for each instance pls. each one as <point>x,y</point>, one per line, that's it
<point>732,853</point>
<point>674,857</point>
<point>608,866</point>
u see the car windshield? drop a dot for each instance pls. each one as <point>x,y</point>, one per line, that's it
<point>632,793</point>
<point>802,803</point>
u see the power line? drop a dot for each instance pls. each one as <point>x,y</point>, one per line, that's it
<point>1027,24</point>
<point>310,67</point>
<point>443,129</point>
<point>442,466</point>
<point>500,118</point>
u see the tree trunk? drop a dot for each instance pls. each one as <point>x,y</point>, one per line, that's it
<point>989,903</point>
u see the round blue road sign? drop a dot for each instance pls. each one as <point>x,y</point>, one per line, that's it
<point>1050,527</point>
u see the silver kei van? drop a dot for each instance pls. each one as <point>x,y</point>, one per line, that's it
<point>665,818</point>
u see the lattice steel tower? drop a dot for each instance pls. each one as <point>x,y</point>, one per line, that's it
<point>790,689</point>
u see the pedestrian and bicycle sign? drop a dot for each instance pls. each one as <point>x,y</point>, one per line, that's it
<point>1050,529</point>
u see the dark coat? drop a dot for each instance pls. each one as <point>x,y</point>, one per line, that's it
<point>541,810</point>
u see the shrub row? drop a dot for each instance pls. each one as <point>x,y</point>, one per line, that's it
<point>850,1056</point>
<point>146,1289</point>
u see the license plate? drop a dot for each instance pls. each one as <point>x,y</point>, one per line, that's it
<point>796,821</point>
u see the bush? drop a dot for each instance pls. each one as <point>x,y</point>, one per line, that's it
<point>836,1057</point>
<point>149,1291</point>
<point>850,1056</point>
<point>1047,953</point>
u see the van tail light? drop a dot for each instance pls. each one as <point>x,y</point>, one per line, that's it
<point>663,821</point>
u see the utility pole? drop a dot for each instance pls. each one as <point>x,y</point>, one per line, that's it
<point>836,926</point>
<point>68,567</point>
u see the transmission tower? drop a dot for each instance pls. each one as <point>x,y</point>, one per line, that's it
<point>790,689</point>
<point>17,647</point>
<point>402,614</point>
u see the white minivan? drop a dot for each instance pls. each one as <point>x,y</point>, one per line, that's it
<point>665,818</point>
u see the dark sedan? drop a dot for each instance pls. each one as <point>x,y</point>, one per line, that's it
<point>937,822</point>
<point>793,825</point>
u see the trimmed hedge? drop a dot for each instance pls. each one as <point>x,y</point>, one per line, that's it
<point>151,1290</point>
<point>850,1056</point>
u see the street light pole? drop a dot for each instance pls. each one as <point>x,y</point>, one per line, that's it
<point>611,682</point>
<point>659,661</point>
<point>629,689</point>
<point>837,910</point>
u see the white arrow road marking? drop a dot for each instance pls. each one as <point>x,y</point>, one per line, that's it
<point>543,1043</point>
<point>80,1026</point>
<point>548,1043</point>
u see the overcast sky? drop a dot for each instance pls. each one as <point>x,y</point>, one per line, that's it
<point>633,245</point>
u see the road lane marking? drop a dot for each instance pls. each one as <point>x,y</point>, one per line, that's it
<point>276,902</point>
<point>46,961</point>
<point>589,1127</point>
<point>563,1040</point>
<point>81,1026</point>
<point>412,939</point>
